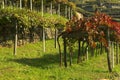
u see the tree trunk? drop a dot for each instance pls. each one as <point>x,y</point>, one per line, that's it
<point>25,3</point>
<point>79,50</point>
<point>31,34</point>
<point>59,51</point>
<point>112,55</point>
<point>98,47</point>
<point>92,51</point>
<point>65,53</point>
<point>108,59</point>
<point>96,50</point>
<point>108,51</point>
<point>101,48</point>
<point>117,53</point>
<point>83,51</point>
<point>71,52</point>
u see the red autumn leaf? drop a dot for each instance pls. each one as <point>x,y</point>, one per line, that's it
<point>93,45</point>
<point>104,41</point>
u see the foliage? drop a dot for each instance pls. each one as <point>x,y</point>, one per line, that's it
<point>36,4</point>
<point>27,18</point>
<point>94,28</point>
<point>30,23</point>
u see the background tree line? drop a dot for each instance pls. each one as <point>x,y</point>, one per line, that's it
<point>60,7</point>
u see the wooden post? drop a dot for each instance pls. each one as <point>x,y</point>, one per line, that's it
<point>56,33</point>
<point>87,53</point>
<point>69,13</point>
<point>16,38</point>
<point>59,9</point>
<point>66,11</point>
<point>31,5</point>
<point>65,52</point>
<point>3,3</point>
<point>42,7</point>
<point>51,7</point>
<point>20,4</point>
<point>43,28</point>
<point>43,39</point>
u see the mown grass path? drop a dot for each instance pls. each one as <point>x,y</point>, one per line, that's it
<point>31,63</point>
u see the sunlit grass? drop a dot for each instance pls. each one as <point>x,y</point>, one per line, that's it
<point>31,63</point>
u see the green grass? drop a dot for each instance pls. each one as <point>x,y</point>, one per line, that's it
<point>31,63</point>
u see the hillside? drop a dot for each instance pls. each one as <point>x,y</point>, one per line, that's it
<point>87,7</point>
<point>31,63</point>
<point>87,49</point>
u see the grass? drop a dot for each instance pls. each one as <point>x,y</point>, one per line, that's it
<point>31,63</point>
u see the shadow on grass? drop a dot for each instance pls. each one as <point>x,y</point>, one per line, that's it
<point>46,61</point>
<point>52,60</point>
<point>101,71</point>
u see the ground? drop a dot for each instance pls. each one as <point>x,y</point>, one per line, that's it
<point>31,63</point>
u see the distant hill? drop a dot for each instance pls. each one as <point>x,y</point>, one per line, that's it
<point>83,1</point>
<point>87,7</point>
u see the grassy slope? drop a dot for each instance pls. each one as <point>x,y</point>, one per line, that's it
<point>32,64</point>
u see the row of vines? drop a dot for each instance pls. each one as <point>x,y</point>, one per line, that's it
<point>26,24</point>
<point>94,36</point>
<point>30,19</point>
<point>60,7</point>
